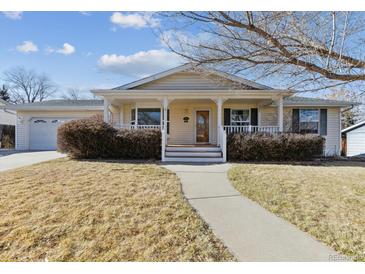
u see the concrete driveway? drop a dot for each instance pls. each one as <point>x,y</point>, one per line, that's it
<point>10,159</point>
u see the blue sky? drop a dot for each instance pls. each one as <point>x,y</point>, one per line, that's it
<point>83,50</point>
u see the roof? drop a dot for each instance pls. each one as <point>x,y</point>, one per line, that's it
<point>348,129</point>
<point>60,104</point>
<point>306,101</point>
<point>191,67</point>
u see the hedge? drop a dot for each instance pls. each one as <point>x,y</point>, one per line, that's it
<point>92,138</point>
<point>279,147</point>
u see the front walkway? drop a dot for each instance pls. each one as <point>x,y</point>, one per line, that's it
<point>14,159</point>
<point>248,230</point>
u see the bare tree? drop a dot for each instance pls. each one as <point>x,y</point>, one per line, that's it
<point>72,94</point>
<point>76,94</point>
<point>312,50</point>
<point>26,86</point>
<point>351,115</point>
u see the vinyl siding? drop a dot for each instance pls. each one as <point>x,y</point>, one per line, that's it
<point>7,118</point>
<point>356,142</point>
<point>268,117</point>
<point>333,138</point>
<point>191,80</point>
<point>22,129</point>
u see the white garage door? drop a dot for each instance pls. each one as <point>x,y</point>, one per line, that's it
<point>43,133</point>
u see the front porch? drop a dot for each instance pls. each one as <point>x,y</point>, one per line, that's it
<point>195,125</point>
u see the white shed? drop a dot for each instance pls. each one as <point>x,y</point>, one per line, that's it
<point>355,139</point>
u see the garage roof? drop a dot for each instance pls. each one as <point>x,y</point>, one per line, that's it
<point>360,124</point>
<point>60,104</point>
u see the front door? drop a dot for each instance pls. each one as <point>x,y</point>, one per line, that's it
<point>202,126</point>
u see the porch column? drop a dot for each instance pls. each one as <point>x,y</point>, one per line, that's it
<point>121,115</point>
<point>219,103</point>
<point>136,116</point>
<point>280,114</point>
<point>165,104</point>
<point>106,111</point>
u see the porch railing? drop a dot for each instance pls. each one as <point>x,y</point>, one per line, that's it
<point>129,126</point>
<point>251,129</point>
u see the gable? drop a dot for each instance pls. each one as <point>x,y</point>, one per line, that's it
<point>192,80</point>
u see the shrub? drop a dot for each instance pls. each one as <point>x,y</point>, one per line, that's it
<point>267,147</point>
<point>137,144</point>
<point>92,138</point>
<point>86,138</point>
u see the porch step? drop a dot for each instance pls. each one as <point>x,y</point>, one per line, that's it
<point>204,154</point>
<point>194,154</point>
<point>193,148</point>
<point>194,159</point>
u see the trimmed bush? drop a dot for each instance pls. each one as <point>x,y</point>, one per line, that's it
<point>92,138</point>
<point>137,144</point>
<point>86,138</point>
<point>267,147</point>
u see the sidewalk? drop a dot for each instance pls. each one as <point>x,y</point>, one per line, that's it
<point>248,230</point>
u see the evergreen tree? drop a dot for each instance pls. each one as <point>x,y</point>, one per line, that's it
<point>4,94</point>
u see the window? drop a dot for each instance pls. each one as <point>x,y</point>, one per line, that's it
<point>308,120</point>
<point>240,117</point>
<point>40,121</point>
<point>146,116</point>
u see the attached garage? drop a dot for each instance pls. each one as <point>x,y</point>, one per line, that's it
<point>37,123</point>
<point>43,132</point>
<point>355,140</point>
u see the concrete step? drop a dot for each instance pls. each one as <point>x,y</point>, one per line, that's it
<point>193,148</point>
<point>194,159</point>
<point>204,154</point>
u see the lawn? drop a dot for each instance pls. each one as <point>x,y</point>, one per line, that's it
<point>67,210</point>
<point>327,201</point>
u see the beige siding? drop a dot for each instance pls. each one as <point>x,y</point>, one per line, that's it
<point>333,138</point>
<point>191,80</point>
<point>184,133</point>
<point>23,125</point>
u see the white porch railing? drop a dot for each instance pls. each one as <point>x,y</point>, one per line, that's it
<point>251,129</point>
<point>128,126</point>
<point>223,143</point>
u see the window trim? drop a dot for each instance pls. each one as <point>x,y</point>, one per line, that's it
<point>248,118</point>
<point>133,110</point>
<point>319,120</point>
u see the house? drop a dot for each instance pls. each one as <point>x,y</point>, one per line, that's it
<point>354,137</point>
<point>194,107</point>
<point>6,117</point>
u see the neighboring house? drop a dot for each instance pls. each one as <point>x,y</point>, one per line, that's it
<point>7,117</point>
<point>354,137</point>
<point>200,105</point>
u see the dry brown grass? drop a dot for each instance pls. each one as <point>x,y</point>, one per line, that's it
<point>100,211</point>
<point>326,201</point>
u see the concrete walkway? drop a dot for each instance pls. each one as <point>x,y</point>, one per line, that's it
<point>15,159</point>
<point>248,230</point>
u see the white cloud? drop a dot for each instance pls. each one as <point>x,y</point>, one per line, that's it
<point>134,20</point>
<point>27,47</point>
<point>14,15</point>
<point>140,64</point>
<point>85,13</point>
<point>67,49</point>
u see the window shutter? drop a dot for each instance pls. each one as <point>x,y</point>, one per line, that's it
<point>295,120</point>
<point>227,116</point>
<point>254,117</point>
<point>323,122</point>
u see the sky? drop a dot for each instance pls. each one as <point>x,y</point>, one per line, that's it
<point>84,50</point>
